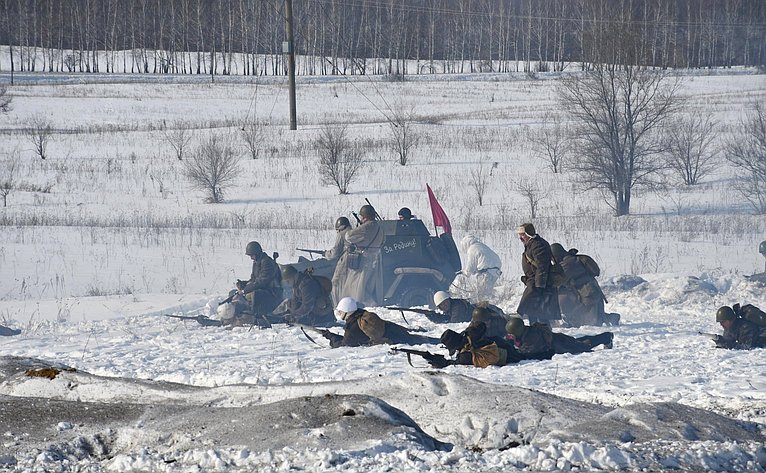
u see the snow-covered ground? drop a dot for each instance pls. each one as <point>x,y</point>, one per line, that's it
<point>88,268</point>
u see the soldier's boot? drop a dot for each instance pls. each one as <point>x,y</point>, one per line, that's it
<point>612,319</point>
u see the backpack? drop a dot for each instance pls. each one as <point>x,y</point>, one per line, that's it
<point>590,264</point>
<point>751,313</point>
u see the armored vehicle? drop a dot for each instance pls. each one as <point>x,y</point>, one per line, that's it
<point>413,264</point>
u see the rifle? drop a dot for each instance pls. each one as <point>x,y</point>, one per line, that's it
<point>328,334</point>
<point>433,359</point>
<point>719,341</point>
<point>377,215</point>
<point>203,320</point>
<point>310,251</point>
<point>711,336</point>
<point>431,315</point>
<point>358,220</point>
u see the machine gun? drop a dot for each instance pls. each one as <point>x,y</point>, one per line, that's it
<point>203,320</point>
<point>433,359</point>
<point>311,252</point>
<point>431,315</point>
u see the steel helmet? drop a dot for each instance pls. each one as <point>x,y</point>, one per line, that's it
<point>342,222</point>
<point>289,273</point>
<point>345,306</point>
<point>253,249</point>
<point>725,313</point>
<point>515,326</point>
<point>762,248</point>
<point>405,213</point>
<point>440,297</point>
<point>367,211</point>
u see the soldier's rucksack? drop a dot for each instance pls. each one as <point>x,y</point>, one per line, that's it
<point>751,313</point>
<point>589,263</point>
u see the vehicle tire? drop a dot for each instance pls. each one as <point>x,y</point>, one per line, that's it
<point>416,297</point>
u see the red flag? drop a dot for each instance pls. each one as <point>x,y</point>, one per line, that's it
<point>440,218</point>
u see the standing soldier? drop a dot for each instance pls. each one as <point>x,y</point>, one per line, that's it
<point>356,271</point>
<point>263,291</point>
<point>539,303</point>
<point>481,264</point>
<point>342,225</point>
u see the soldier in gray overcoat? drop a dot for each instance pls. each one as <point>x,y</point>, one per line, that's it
<point>357,269</point>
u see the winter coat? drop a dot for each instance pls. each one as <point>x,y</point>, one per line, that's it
<point>334,254</point>
<point>580,298</point>
<point>362,246</point>
<point>539,302</point>
<point>488,351</point>
<point>367,328</point>
<point>263,291</point>
<point>539,341</point>
<point>460,310</point>
<point>478,256</point>
<point>743,335</point>
<point>310,304</point>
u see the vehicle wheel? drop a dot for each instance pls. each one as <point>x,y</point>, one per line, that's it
<point>416,297</point>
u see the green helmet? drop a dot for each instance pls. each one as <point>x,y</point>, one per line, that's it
<point>289,273</point>
<point>515,327</point>
<point>725,313</point>
<point>342,222</point>
<point>481,314</point>
<point>367,211</point>
<point>253,249</point>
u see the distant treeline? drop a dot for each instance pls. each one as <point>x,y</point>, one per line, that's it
<point>352,36</point>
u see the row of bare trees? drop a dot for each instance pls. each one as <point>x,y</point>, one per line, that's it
<point>373,36</point>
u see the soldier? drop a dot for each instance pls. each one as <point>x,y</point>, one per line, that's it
<point>539,341</point>
<point>539,302</point>
<point>493,322</point>
<point>456,310</point>
<point>263,291</point>
<point>310,303</point>
<point>481,267</point>
<point>366,328</point>
<point>356,272</point>
<point>342,225</point>
<point>474,347</point>
<point>738,333</point>
<point>580,297</point>
<point>405,214</point>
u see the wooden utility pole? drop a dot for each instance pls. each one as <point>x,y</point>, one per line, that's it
<point>287,48</point>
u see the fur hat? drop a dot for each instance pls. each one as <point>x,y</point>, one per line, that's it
<point>526,228</point>
<point>453,341</point>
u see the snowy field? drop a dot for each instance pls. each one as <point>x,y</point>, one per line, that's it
<point>106,235</point>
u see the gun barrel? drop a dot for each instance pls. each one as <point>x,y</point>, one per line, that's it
<point>310,250</point>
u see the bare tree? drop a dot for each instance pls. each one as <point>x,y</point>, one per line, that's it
<point>404,137</point>
<point>254,132</point>
<point>39,134</point>
<point>553,142</point>
<point>619,110</point>
<point>689,147</point>
<point>5,100</point>
<point>212,167</point>
<point>179,137</point>
<point>479,181</point>
<point>8,177</point>
<point>746,150</point>
<point>339,158</point>
<point>533,192</point>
